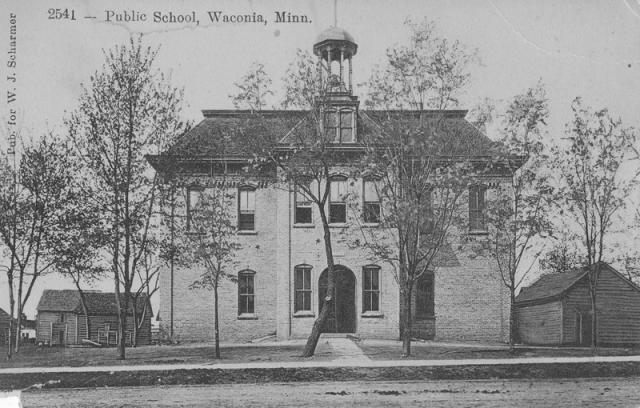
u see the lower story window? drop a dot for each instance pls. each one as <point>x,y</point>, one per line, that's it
<point>246,293</point>
<point>371,289</point>
<point>425,305</point>
<point>302,282</point>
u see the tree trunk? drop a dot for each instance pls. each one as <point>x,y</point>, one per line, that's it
<point>9,333</point>
<point>594,331</point>
<point>83,300</point>
<point>405,293</point>
<point>122,325</point>
<point>135,322</point>
<point>319,324</point>
<point>216,327</point>
<point>513,329</point>
<point>12,305</point>
<point>18,316</point>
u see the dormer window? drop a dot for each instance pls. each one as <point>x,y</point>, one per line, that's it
<point>339,126</point>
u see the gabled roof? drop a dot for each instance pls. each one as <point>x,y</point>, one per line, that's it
<point>550,287</point>
<point>98,303</point>
<point>4,316</point>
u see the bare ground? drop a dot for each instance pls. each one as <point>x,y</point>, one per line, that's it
<point>596,392</point>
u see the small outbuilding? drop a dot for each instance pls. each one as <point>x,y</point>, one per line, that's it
<point>556,310</point>
<point>61,319</point>
<point>4,327</point>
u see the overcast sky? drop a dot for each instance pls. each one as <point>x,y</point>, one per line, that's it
<point>578,48</point>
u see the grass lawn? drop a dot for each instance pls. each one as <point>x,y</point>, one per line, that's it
<point>34,356</point>
<point>377,350</point>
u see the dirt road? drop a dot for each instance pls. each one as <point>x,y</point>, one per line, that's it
<point>598,392</point>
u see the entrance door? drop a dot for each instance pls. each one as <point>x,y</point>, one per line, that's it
<point>342,316</point>
<point>583,329</point>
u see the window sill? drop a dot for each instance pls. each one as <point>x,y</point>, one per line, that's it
<point>371,225</point>
<point>248,316</point>
<point>338,225</point>
<point>372,315</point>
<point>247,232</point>
<point>304,225</point>
<point>478,232</point>
<point>304,313</point>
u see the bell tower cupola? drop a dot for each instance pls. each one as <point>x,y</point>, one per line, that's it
<point>335,47</point>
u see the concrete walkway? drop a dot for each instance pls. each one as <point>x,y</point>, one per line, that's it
<point>337,363</point>
<point>346,350</point>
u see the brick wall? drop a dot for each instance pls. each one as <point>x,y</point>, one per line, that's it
<point>471,303</point>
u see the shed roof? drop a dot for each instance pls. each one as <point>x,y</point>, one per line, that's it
<point>555,285</point>
<point>98,303</point>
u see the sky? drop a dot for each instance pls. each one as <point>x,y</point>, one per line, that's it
<point>576,48</point>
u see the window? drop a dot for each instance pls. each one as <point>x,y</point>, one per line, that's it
<point>424,296</point>
<point>427,224</point>
<point>246,293</point>
<point>371,202</point>
<point>302,284</point>
<point>371,289</point>
<point>476,208</point>
<point>194,205</point>
<point>337,203</point>
<point>339,126</point>
<point>303,209</point>
<point>346,127</point>
<point>247,209</point>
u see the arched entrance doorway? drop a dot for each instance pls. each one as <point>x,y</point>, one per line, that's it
<point>342,316</point>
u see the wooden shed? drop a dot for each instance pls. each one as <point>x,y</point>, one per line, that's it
<point>4,327</point>
<point>61,321</point>
<point>556,310</point>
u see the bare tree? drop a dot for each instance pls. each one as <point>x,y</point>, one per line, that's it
<point>79,239</point>
<point>253,89</point>
<point>30,208</point>
<point>128,110</point>
<point>206,238</point>
<point>517,214</point>
<point>593,185</point>
<point>420,160</point>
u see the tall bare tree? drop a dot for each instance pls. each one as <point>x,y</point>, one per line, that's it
<point>79,239</point>
<point>128,110</point>
<point>594,185</point>
<point>421,160</point>
<point>30,208</point>
<point>517,214</point>
<point>253,89</point>
<point>206,238</point>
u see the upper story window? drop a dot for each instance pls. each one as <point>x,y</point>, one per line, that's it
<point>194,205</point>
<point>246,209</point>
<point>428,219</point>
<point>477,208</point>
<point>303,214</point>
<point>341,124</point>
<point>371,202</point>
<point>338,200</point>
